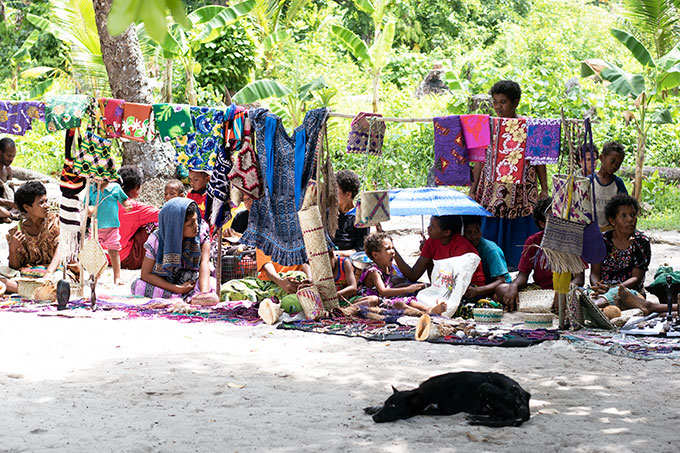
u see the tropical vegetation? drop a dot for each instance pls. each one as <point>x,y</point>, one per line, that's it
<point>617,61</point>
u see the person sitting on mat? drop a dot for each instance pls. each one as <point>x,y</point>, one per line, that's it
<point>444,241</point>
<point>35,240</point>
<point>348,238</point>
<point>269,270</point>
<point>619,278</point>
<point>343,273</point>
<point>177,260</point>
<point>8,152</point>
<point>493,259</point>
<point>376,279</point>
<point>532,261</point>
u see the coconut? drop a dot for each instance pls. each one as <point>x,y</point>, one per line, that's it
<point>611,311</point>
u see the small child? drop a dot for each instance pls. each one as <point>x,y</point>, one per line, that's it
<point>377,278</point>
<point>606,183</point>
<point>173,189</point>
<point>106,197</point>
<point>493,259</point>
<point>198,180</point>
<point>343,273</point>
<point>8,152</point>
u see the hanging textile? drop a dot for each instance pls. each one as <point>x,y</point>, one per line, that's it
<point>477,135</point>
<point>65,112</point>
<point>218,186</point>
<point>273,224</point>
<point>198,150</point>
<point>70,216</point>
<point>508,156</point>
<point>543,140</point>
<point>136,120</point>
<point>245,174</point>
<point>112,115</point>
<point>94,157</point>
<point>451,165</point>
<point>16,117</point>
<point>172,121</point>
<point>358,140</point>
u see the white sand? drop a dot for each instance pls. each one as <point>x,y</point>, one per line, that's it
<point>97,384</point>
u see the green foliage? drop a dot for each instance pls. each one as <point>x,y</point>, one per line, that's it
<point>152,12</point>
<point>227,61</point>
<point>662,196</point>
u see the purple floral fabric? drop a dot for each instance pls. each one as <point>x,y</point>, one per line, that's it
<point>451,164</point>
<point>543,140</point>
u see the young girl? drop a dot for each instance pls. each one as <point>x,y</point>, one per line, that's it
<point>107,197</point>
<point>377,278</point>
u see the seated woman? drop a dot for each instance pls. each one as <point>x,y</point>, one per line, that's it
<point>272,271</point>
<point>348,238</point>
<point>619,279</point>
<point>444,241</point>
<point>377,279</point>
<point>35,240</point>
<point>134,229</point>
<point>493,259</point>
<point>508,293</point>
<point>177,259</point>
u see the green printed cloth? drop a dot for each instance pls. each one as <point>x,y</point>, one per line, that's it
<point>65,112</point>
<point>254,289</point>
<point>198,150</point>
<point>172,121</point>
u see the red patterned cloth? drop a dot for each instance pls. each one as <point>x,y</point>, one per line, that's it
<point>508,144</point>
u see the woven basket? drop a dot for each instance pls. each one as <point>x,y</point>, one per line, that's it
<point>311,303</point>
<point>318,256</point>
<point>92,257</point>
<point>487,315</point>
<point>27,286</point>
<point>538,320</point>
<point>536,301</point>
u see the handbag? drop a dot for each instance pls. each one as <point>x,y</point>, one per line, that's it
<point>311,303</point>
<point>594,248</point>
<point>245,174</point>
<point>373,206</point>
<point>359,132</point>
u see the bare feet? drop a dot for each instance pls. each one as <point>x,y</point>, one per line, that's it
<point>438,309</point>
<point>630,300</point>
<point>118,282</point>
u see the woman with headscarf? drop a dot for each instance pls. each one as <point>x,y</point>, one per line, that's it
<point>177,256</point>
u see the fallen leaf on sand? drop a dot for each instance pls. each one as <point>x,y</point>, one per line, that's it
<point>548,411</point>
<point>231,385</point>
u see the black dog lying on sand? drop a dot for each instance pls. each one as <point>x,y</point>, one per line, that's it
<point>491,399</point>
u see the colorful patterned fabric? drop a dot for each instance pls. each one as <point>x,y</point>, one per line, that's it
<point>386,302</point>
<point>69,181</point>
<point>199,150</point>
<point>218,186</point>
<point>581,199</point>
<point>17,117</point>
<point>451,164</point>
<point>509,150</point>
<point>112,115</point>
<point>246,174</point>
<point>273,224</point>
<point>136,120</point>
<point>506,200</point>
<point>172,121</point>
<point>65,112</point>
<point>94,158</point>
<point>477,135</point>
<point>358,140</point>
<point>543,140</point>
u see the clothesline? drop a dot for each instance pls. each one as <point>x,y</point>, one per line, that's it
<point>420,120</point>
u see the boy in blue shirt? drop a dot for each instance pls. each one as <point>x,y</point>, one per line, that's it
<point>493,260</point>
<point>106,196</point>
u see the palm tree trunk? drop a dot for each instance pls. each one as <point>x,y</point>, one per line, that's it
<point>640,158</point>
<point>166,91</point>
<point>127,77</point>
<point>190,90</point>
<point>376,85</point>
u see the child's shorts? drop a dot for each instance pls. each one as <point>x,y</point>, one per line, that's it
<point>109,238</point>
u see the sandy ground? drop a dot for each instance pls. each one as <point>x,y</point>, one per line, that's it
<point>138,385</point>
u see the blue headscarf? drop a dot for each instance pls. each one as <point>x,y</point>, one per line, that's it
<point>174,250</point>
